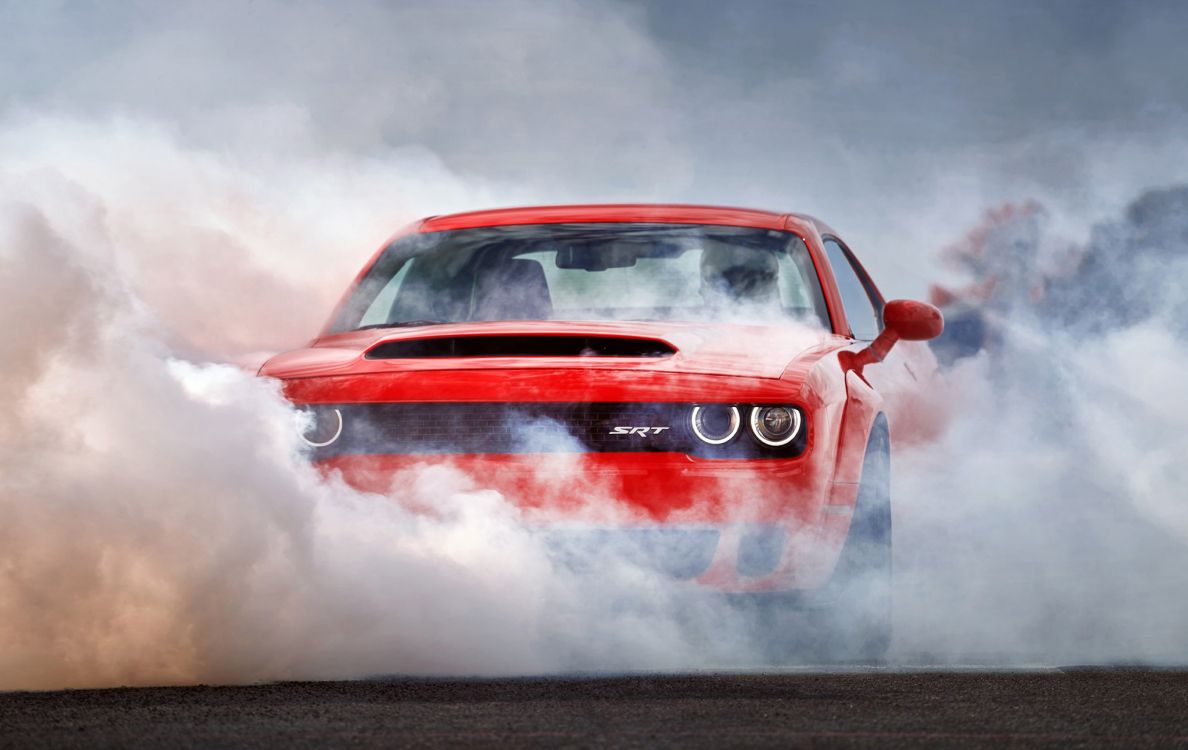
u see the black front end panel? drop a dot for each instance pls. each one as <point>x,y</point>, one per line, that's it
<point>434,428</point>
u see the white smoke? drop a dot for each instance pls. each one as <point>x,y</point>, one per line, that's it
<point>161,525</point>
<point>233,251</point>
<point>1049,524</point>
<point>190,195</point>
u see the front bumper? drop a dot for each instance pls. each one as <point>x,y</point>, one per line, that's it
<point>727,524</point>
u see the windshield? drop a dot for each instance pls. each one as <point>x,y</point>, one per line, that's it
<point>589,272</point>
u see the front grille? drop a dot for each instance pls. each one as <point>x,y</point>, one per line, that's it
<point>429,428</point>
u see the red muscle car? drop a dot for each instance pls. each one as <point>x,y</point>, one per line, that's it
<point>706,385</point>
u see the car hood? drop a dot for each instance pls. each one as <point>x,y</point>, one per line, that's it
<point>761,351</point>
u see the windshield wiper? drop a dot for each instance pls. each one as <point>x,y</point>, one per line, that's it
<point>403,324</point>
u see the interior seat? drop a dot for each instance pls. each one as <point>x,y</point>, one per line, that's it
<point>739,275</point>
<point>515,289</point>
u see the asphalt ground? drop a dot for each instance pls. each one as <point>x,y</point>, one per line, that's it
<point>1048,708</point>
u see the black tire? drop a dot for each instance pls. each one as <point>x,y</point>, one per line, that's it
<point>849,619</point>
<point>856,615</point>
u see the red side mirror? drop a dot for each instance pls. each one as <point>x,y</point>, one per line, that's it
<point>912,320</point>
<point>902,319</point>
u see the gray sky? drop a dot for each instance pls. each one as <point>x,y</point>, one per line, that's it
<point>899,123</point>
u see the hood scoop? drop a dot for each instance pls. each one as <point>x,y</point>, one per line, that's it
<point>520,346</point>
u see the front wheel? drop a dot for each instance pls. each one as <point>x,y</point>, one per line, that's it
<point>849,619</point>
<point>856,617</point>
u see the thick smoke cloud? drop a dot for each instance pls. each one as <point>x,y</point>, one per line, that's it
<point>236,251</point>
<point>899,124</point>
<point>188,185</point>
<point>161,524</point>
<point>1050,525</point>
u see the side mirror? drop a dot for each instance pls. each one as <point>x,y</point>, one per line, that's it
<point>902,319</point>
<point>913,321</point>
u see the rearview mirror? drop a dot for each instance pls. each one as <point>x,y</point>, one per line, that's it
<point>595,257</point>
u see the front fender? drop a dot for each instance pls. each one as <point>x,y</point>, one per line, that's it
<point>863,405</point>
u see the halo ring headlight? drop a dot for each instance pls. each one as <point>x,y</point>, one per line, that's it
<point>706,433</point>
<point>775,425</point>
<point>315,436</point>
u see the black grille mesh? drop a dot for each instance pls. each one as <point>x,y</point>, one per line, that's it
<point>427,428</point>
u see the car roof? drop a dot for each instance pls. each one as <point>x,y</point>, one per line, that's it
<point>661,213</point>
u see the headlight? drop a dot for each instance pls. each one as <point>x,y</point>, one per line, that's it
<point>715,424</point>
<point>775,425</point>
<point>322,426</point>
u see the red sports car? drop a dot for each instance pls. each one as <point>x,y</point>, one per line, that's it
<point>704,386</point>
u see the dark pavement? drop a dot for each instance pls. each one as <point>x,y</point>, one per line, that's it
<point>1068,708</point>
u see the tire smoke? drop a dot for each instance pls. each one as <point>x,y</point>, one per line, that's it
<point>1050,523</point>
<point>161,524</point>
<point>185,196</point>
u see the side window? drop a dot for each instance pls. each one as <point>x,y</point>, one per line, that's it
<point>862,313</point>
<point>380,309</point>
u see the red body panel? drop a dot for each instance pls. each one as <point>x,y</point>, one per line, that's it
<point>621,213</point>
<point>811,495</point>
